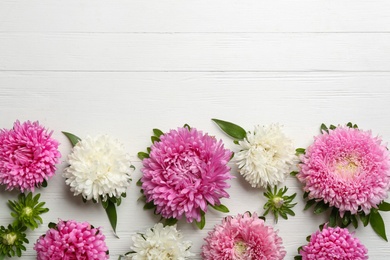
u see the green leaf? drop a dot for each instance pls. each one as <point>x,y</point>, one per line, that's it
<point>142,155</point>
<point>309,203</point>
<point>149,205</point>
<point>154,139</point>
<point>354,221</point>
<point>333,217</point>
<point>324,128</point>
<point>233,130</point>
<point>139,183</point>
<point>320,207</point>
<point>364,218</point>
<point>220,207</point>
<point>384,206</point>
<point>293,173</point>
<point>52,225</point>
<point>72,138</point>
<point>298,257</point>
<point>111,214</point>
<point>377,224</point>
<point>349,125</point>
<point>300,151</point>
<point>202,222</point>
<point>157,132</point>
<point>44,183</point>
<point>170,221</point>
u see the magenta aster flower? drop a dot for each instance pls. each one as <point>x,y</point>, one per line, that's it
<point>244,237</point>
<point>347,168</point>
<point>70,240</point>
<point>28,156</point>
<point>333,243</point>
<point>186,170</point>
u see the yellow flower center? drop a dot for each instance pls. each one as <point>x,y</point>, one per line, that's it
<point>278,202</point>
<point>240,248</point>
<point>347,167</point>
<point>27,211</point>
<point>10,238</point>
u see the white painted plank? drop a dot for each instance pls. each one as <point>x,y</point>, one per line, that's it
<point>129,105</point>
<point>195,16</point>
<point>195,52</point>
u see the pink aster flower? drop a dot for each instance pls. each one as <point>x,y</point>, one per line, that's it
<point>333,243</point>
<point>71,240</point>
<point>347,168</point>
<point>28,156</point>
<point>186,170</point>
<point>244,237</point>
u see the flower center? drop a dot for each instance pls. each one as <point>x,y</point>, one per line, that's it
<point>347,167</point>
<point>9,239</point>
<point>27,211</point>
<point>278,202</point>
<point>240,248</point>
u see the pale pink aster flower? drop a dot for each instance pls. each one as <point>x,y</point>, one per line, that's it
<point>186,170</point>
<point>71,240</point>
<point>347,168</point>
<point>28,156</point>
<point>333,243</point>
<point>244,237</point>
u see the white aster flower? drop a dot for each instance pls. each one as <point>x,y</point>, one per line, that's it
<point>159,242</point>
<point>98,167</point>
<point>266,156</point>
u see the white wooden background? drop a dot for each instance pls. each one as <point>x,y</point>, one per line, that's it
<point>124,67</point>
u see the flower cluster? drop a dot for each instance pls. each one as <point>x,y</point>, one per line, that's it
<point>184,172</point>
<point>28,156</point>
<point>26,212</point>
<point>71,240</point>
<point>159,242</point>
<point>243,237</point>
<point>333,243</point>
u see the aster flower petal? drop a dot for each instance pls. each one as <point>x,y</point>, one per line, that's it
<point>159,242</point>
<point>28,156</point>
<point>72,240</point>
<point>333,243</point>
<point>184,172</point>
<point>243,237</point>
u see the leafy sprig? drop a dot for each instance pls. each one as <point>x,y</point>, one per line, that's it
<point>278,203</point>
<point>27,210</point>
<point>12,240</point>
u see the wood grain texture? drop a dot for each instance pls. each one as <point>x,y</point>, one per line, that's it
<point>126,67</point>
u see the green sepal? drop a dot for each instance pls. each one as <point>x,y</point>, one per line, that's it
<point>220,207</point>
<point>324,128</point>
<point>154,139</point>
<point>377,224</point>
<point>354,221</point>
<point>157,132</point>
<point>149,205</point>
<point>44,183</point>
<point>142,155</point>
<point>320,207</point>
<point>294,173</point>
<point>139,183</point>
<point>298,257</point>
<point>333,217</point>
<point>233,130</point>
<point>309,203</point>
<point>72,138</point>
<point>384,206</point>
<point>299,151</point>
<point>202,221</point>
<point>364,218</point>
<point>52,225</point>
<point>111,214</point>
<point>170,221</point>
